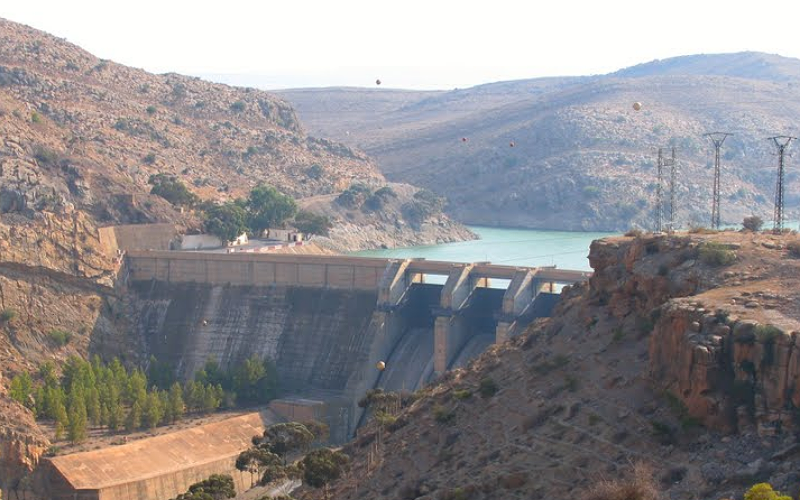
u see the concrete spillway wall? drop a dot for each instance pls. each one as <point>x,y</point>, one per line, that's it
<point>315,335</point>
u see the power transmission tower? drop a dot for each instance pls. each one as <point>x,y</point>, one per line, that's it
<point>665,162</point>
<point>717,138</point>
<point>659,196</point>
<point>781,142</point>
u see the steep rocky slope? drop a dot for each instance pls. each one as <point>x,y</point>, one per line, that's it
<point>660,358</point>
<point>582,158</point>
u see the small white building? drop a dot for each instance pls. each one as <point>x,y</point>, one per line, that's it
<point>209,242</point>
<point>291,235</point>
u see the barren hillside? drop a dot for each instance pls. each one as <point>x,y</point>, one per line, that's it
<point>668,356</point>
<point>581,158</point>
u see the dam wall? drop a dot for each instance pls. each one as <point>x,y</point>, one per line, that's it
<point>349,273</point>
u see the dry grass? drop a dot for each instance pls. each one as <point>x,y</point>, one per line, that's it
<point>638,486</point>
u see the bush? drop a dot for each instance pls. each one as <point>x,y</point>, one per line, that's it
<point>149,159</point>
<point>315,171</point>
<point>36,117</point>
<point>7,315</point>
<point>753,223</point>
<point>60,337</point>
<point>151,110</point>
<point>311,223</point>
<point>487,387</point>
<point>716,254</point>
<point>764,491</point>
<point>634,233</point>
<point>45,155</point>
<point>640,486</point>
<point>172,190</point>
<point>443,415</point>
<point>462,394</point>
<point>237,107</point>
<point>794,249</point>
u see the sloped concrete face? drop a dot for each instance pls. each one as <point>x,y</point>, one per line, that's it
<point>156,468</point>
<point>316,336</point>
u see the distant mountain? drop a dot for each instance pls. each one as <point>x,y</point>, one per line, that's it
<point>571,153</point>
<point>751,65</point>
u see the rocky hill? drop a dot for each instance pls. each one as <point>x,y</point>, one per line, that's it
<point>679,353</point>
<point>571,152</point>
<point>80,138</point>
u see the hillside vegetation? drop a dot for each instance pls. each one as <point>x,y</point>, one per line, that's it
<point>571,153</point>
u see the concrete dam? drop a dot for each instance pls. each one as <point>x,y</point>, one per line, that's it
<point>327,320</point>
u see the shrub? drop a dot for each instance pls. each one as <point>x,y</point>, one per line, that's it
<point>311,223</point>
<point>237,107</point>
<point>764,491</point>
<point>571,383</point>
<point>60,337</point>
<point>767,333</point>
<point>172,190</point>
<point>151,110</point>
<point>462,394</point>
<point>7,315</point>
<point>794,248</point>
<point>716,254</point>
<point>639,486</point>
<point>487,387</point>
<point>443,415</point>
<point>753,223</point>
<point>634,233</point>
<point>315,171</point>
<point>36,117</point>
<point>45,155</point>
<point>149,159</point>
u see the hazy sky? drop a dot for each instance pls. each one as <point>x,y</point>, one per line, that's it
<point>408,43</point>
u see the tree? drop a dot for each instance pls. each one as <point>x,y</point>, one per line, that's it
<point>256,461</point>
<point>322,466</point>
<point>175,407</point>
<point>311,223</point>
<point>77,421</point>
<point>285,438</point>
<point>134,420</point>
<point>172,190</point>
<point>227,222</point>
<point>216,487</point>
<point>61,418</point>
<point>93,408</point>
<point>255,381</point>
<point>21,388</point>
<point>153,410</point>
<point>268,208</point>
<point>753,223</point>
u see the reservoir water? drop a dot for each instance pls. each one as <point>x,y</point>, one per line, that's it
<point>513,247</point>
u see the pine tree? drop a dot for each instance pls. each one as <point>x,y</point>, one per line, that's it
<point>175,405</point>
<point>153,411</point>
<point>77,421</point>
<point>134,420</point>
<point>116,416</point>
<point>60,416</point>
<point>21,388</point>
<point>93,409</point>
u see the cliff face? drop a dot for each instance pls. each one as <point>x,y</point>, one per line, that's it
<point>21,446</point>
<point>663,357</point>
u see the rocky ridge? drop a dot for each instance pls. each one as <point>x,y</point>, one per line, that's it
<point>571,152</point>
